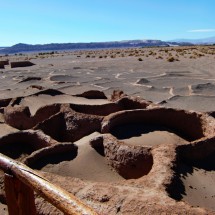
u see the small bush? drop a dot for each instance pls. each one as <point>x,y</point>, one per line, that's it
<point>159,57</point>
<point>140,59</point>
<point>171,59</point>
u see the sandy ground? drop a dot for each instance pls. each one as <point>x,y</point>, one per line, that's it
<point>6,129</point>
<point>188,83</point>
<point>198,183</point>
<point>88,165</point>
<point>36,102</point>
<point>3,209</point>
<point>200,189</point>
<point>146,135</point>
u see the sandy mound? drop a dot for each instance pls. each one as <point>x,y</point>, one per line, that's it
<point>88,165</point>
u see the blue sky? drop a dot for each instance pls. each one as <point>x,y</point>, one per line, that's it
<point>51,21</point>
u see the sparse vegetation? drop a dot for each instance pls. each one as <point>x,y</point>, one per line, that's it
<point>171,54</point>
<point>172,59</point>
<point>159,57</point>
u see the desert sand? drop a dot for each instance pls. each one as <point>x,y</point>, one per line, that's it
<point>140,134</point>
<point>187,83</point>
<point>146,150</point>
<point>89,165</point>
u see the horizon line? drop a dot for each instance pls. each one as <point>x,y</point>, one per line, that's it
<point>124,40</point>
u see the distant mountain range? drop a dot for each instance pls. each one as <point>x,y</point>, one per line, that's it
<point>206,41</point>
<point>21,47</point>
<point>18,48</point>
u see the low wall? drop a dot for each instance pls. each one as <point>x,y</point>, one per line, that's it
<point>197,150</point>
<point>187,124</point>
<point>52,154</point>
<point>131,162</point>
<point>5,102</point>
<point>15,144</point>
<point>92,94</point>
<point>20,117</point>
<point>21,64</point>
<point>101,110</point>
<point>3,63</point>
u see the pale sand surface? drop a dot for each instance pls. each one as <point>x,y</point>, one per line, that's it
<point>6,129</point>
<point>146,135</point>
<point>36,102</point>
<point>200,189</point>
<point>192,81</point>
<point>88,165</point>
<point>3,209</point>
<point>198,179</point>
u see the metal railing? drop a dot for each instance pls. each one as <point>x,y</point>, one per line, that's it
<point>21,182</point>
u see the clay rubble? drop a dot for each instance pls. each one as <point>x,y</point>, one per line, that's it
<point>149,178</point>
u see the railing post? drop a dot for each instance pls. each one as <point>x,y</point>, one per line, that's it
<point>20,184</point>
<point>20,197</point>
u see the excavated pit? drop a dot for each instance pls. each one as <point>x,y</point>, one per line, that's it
<point>19,145</point>
<point>35,102</point>
<point>92,159</point>
<point>102,144</point>
<point>195,173</point>
<point>162,121</point>
<point>17,150</point>
<point>199,183</point>
<point>52,155</point>
<point>131,162</point>
<point>70,126</point>
<point>196,182</point>
<point>20,117</point>
<point>21,64</point>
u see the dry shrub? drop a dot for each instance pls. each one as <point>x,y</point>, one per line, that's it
<point>171,59</point>
<point>159,57</point>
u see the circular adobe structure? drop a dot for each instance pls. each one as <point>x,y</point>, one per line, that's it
<point>191,126</point>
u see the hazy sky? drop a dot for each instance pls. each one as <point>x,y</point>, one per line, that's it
<point>50,21</point>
